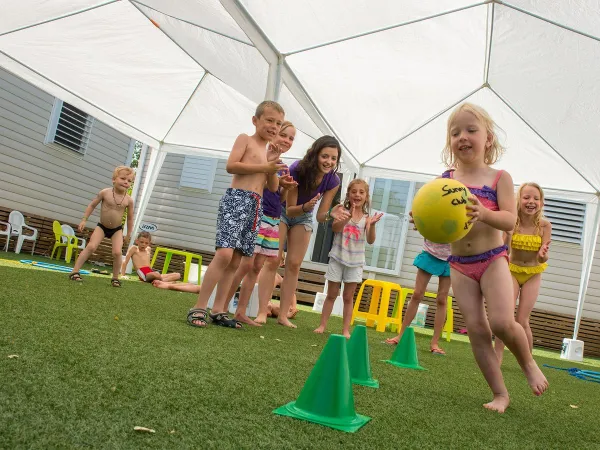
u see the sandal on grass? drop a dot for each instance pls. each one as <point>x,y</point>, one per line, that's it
<point>223,320</point>
<point>196,317</point>
<point>438,351</point>
<point>115,283</point>
<point>76,276</point>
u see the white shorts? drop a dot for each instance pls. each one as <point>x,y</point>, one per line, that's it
<point>338,273</point>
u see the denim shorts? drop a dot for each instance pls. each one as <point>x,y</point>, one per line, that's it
<point>305,219</point>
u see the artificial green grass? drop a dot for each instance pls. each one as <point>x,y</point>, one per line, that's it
<point>95,361</point>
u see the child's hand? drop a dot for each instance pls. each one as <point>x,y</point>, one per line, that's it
<point>340,214</point>
<point>273,152</point>
<point>81,226</point>
<point>411,220</point>
<point>310,205</point>
<point>126,238</point>
<point>287,182</point>
<point>372,220</point>
<point>275,166</point>
<point>543,253</point>
<point>476,211</point>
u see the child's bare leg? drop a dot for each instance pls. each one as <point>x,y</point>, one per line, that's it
<point>498,344</point>
<point>333,290</point>
<point>224,284</point>
<point>298,239</point>
<point>247,288</point>
<point>348,297</point>
<point>495,285</point>
<point>266,284</point>
<point>180,287</point>
<point>421,282</point>
<point>293,309</point>
<point>244,267</point>
<point>212,276</point>
<point>171,277</point>
<point>117,253</point>
<point>470,301</point>
<point>529,294</point>
<point>440,313</point>
<point>95,239</point>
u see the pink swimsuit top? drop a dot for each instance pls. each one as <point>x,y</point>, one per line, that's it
<point>486,195</point>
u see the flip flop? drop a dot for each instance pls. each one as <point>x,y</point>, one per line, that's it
<point>438,351</point>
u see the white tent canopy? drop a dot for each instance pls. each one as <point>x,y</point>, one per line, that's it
<point>382,76</point>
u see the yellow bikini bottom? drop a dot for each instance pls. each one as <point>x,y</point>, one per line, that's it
<point>524,273</point>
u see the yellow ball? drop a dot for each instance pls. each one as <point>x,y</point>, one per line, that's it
<point>439,211</point>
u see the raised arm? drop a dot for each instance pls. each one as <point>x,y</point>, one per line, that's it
<point>90,209</point>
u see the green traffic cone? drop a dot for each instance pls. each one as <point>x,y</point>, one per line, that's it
<point>326,397</point>
<point>405,354</point>
<point>358,358</point>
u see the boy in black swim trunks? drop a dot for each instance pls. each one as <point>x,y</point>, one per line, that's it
<point>114,201</point>
<point>253,164</point>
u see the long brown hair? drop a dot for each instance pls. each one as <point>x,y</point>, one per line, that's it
<point>308,167</point>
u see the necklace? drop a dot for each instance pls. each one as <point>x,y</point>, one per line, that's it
<point>122,200</point>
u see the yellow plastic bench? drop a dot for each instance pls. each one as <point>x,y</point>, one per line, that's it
<point>448,326</point>
<point>169,252</point>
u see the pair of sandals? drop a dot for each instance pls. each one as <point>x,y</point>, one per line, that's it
<point>76,276</point>
<point>198,317</point>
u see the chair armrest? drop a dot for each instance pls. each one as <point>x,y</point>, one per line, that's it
<point>7,225</point>
<point>35,231</point>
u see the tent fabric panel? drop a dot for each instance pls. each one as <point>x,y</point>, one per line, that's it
<point>208,14</point>
<point>552,82</point>
<point>239,65</point>
<point>393,80</point>
<point>525,151</point>
<point>580,15</point>
<point>23,13</point>
<point>296,114</point>
<point>111,57</point>
<point>293,25</point>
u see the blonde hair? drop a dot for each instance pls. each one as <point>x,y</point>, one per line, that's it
<point>127,169</point>
<point>260,109</point>
<point>286,124</point>
<point>492,153</point>
<point>538,216</point>
<point>367,205</point>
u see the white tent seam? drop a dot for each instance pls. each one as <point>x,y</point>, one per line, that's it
<point>488,55</point>
<point>552,22</point>
<point>74,13</point>
<point>184,106</point>
<point>193,24</point>
<point>266,48</point>
<point>78,96</point>
<point>543,139</point>
<point>428,121</point>
<point>386,28</point>
<point>173,144</point>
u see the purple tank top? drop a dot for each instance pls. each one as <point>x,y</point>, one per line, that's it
<point>329,181</point>
<point>271,204</point>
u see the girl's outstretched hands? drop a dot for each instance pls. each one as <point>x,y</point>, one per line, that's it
<point>309,205</point>
<point>340,213</point>
<point>286,181</point>
<point>372,220</point>
<point>411,220</point>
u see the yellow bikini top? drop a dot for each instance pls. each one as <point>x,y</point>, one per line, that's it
<point>531,242</point>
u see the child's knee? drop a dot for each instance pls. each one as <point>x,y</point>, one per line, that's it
<point>441,301</point>
<point>502,326</point>
<point>523,321</point>
<point>330,297</point>
<point>479,332</point>
<point>257,266</point>
<point>117,255</point>
<point>348,298</point>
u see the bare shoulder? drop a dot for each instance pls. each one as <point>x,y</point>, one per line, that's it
<point>504,176</point>
<point>104,193</point>
<point>545,224</point>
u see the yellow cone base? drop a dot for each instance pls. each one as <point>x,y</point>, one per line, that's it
<point>347,424</point>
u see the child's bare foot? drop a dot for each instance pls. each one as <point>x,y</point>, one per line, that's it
<point>536,379</point>
<point>245,319</point>
<point>261,318</point>
<point>499,404</point>
<point>393,341</point>
<point>319,330</point>
<point>292,313</point>
<point>285,322</point>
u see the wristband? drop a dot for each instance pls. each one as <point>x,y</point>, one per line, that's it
<point>303,207</point>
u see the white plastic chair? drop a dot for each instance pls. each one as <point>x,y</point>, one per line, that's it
<point>5,232</point>
<point>17,228</point>
<point>66,229</point>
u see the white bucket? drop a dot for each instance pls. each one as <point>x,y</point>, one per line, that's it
<point>419,320</point>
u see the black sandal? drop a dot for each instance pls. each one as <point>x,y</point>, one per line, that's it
<point>223,320</point>
<point>76,276</point>
<point>115,283</point>
<point>197,317</point>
